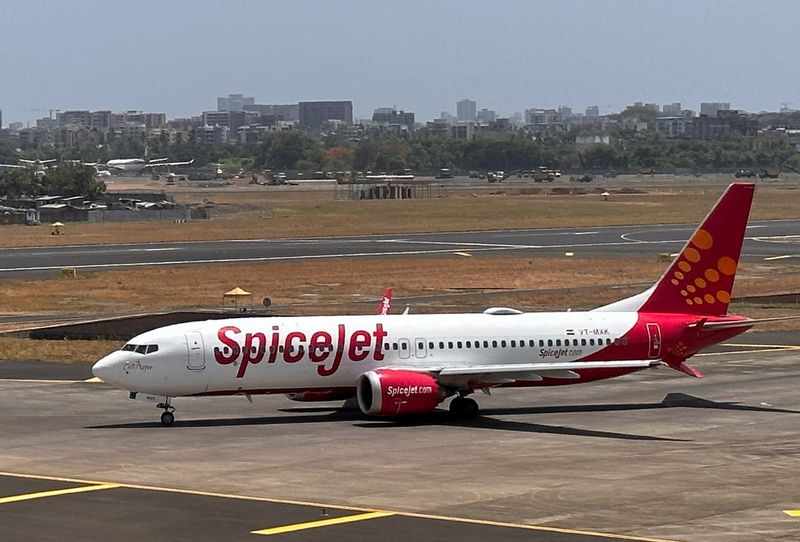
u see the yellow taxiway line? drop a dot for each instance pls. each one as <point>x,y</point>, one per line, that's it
<point>55,493</point>
<point>365,511</point>
<point>792,513</point>
<point>322,523</point>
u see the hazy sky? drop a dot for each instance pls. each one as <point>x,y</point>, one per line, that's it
<point>422,56</point>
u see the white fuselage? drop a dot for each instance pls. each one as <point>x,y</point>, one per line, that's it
<point>275,355</point>
<point>134,165</point>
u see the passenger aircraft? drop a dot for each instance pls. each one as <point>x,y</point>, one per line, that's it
<point>137,165</point>
<point>38,166</point>
<point>406,364</point>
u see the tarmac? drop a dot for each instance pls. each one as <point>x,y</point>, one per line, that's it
<point>766,240</point>
<point>652,456</point>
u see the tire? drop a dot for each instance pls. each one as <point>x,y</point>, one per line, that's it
<point>167,418</point>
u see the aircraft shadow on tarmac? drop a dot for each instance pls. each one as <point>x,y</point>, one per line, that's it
<point>485,421</point>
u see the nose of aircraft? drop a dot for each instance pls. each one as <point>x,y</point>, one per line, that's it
<point>109,368</point>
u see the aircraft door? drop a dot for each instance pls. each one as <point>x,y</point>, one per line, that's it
<point>419,344</point>
<point>405,348</point>
<point>654,341</point>
<point>196,359</point>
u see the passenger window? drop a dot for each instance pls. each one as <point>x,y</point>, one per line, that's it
<point>583,342</point>
<point>558,342</point>
<point>549,342</point>
<point>503,344</point>
<point>458,344</point>
<point>486,344</point>
<point>477,344</point>
<point>430,346</point>
<point>494,344</point>
<point>608,341</point>
<point>450,344</point>
<point>386,346</point>
<point>591,342</point>
<point>404,346</point>
<point>469,344</point>
<point>531,343</point>
<point>513,344</point>
<point>441,345</point>
<point>394,346</point>
<point>541,342</point>
<point>420,345</point>
<point>624,341</point>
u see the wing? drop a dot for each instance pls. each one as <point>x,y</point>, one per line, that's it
<point>488,375</point>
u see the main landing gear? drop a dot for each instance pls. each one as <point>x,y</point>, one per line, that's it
<point>463,408</point>
<point>167,417</point>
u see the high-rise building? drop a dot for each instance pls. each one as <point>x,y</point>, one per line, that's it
<point>592,111</point>
<point>81,118</point>
<point>466,109</point>
<point>229,119</point>
<point>389,115</point>
<point>672,110</point>
<point>234,102</point>
<point>288,112</point>
<point>1,118</point>
<point>314,115</point>
<point>710,108</point>
<point>486,115</point>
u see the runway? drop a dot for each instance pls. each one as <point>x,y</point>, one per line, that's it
<point>766,240</point>
<point>653,456</point>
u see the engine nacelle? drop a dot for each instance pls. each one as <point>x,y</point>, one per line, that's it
<point>316,396</point>
<point>387,392</point>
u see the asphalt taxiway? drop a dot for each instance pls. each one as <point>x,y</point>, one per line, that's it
<point>652,456</point>
<point>766,240</point>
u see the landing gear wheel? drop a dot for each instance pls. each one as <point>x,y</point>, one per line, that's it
<point>462,408</point>
<point>471,409</point>
<point>167,418</point>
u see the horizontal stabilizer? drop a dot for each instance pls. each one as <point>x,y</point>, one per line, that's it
<point>688,369</point>
<point>704,325</point>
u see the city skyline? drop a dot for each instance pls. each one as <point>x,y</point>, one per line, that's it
<point>178,57</point>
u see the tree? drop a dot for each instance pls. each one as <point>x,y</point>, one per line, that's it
<point>73,180</point>
<point>17,182</point>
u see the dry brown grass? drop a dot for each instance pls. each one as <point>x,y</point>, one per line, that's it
<point>255,215</point>
<point>313,283</point>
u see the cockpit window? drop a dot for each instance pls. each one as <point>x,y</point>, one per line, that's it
<point>140,348</point>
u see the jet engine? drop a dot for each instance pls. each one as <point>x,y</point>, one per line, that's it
<point>387,392</point>
<point>317,396</point>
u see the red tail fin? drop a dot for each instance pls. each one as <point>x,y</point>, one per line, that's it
<point>385,304</point>
<point>700,280</point>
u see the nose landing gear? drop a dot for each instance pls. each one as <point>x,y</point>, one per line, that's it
<point>167,417</point>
